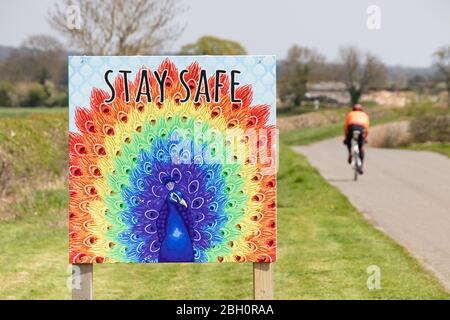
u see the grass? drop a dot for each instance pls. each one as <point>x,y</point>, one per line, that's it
<point>293,110</point>
<point>324,249</point>
<point>7,112</point>
<point>33,151</point>
<point>313,134</point>
<point>439,147</point>
<point>333,244</point>
<point>309,135</point>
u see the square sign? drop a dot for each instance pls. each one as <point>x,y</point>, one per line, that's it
<point>172,159</point>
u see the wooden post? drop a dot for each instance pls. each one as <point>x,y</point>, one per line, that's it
<point>82,288</point>
<point>262,281</point>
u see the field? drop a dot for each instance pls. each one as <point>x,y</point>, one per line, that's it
<point>25,111</point>
<point>324,244</point>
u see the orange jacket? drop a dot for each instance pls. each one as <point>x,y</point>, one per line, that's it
<point>359,118</point>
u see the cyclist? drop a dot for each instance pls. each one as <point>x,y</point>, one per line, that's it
<point>356,120</point>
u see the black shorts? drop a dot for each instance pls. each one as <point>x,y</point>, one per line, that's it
<point>352,128</point>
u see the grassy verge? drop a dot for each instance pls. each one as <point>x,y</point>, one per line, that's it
<point>324,249</point>
<point>378,115</point>
<point>33,153</point>
<point>439,147</point>
<point>314,134</point>
<point>309,135</point>
<point>334,244</point>
<point>6,112</point>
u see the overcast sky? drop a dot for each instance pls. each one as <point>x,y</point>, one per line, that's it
<point>410,29</point>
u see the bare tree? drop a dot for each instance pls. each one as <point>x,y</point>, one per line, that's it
<point>39,58</point>
<point>46,60</point>
<point>442,62</point>
<point>296,70</point>
<point>360,72</point>
<point>119,27</point>
<point>41,43</point>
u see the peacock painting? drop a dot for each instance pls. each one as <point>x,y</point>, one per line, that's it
<point>173,169</point>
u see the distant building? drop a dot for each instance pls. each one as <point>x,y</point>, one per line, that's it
<point>328,92</point>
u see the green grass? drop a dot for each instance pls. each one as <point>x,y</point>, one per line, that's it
<point>33,151</point>
<point>324,249</point>
<point>329,244</point>
<point>310,135</point>
<point>294,110</point>
<point>303,136</point>
<point>439,147</point>
<point>25,111</point>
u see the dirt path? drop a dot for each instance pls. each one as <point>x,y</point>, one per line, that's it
<point>404,193</point>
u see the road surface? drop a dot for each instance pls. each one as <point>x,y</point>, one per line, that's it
<point>404,193</point>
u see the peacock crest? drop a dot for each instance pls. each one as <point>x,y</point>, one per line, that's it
<point>151,182</point>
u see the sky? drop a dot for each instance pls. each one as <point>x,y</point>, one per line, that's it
<point>410,31</point>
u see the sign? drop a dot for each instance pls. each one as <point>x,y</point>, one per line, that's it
<point>172,159</point>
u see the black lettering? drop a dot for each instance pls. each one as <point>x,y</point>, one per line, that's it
<point>218,85</point>
<point>233,86</point>
<point>125,84</point>
<point>144,80</point>
<point>161,81</point>
<point>202,82</point>
<point>113,91</point>
<point>186,87</point>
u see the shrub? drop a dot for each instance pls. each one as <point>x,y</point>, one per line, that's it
<point>36,96</point>
<point>8,97</point>
<point>431,128</point>
<point>6,172</point>
<point>391,135</point>
<point>58,99</point>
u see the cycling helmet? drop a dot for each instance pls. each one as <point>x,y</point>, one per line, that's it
<point>357,107</point>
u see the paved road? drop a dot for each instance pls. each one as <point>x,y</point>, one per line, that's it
<point>404,193</point>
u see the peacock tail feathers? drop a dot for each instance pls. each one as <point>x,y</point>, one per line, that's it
<point>125,152</point>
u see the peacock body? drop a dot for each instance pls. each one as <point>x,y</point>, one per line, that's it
<point>149,181</point>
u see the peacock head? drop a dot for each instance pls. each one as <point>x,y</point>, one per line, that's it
<point>174,195</point>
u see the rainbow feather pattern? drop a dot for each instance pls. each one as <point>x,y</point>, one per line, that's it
<point>125,155</point>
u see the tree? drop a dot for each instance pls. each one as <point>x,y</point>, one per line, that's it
<point>360,72</point>
<point>41,43</point>
<point>118,27</point>
<point>40,58</point>
<point>209,45</point>
<point>296,70</point>
<point>37,95</point>
<point>442,62</point>
<point>7,94</point>
<point>45,57</point>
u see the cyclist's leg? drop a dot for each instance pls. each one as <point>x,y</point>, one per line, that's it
<point>349,145</point>
<point>361,144</point>
<point>348,142</point>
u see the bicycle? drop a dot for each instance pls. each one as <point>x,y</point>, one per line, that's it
<point>356,163</point>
